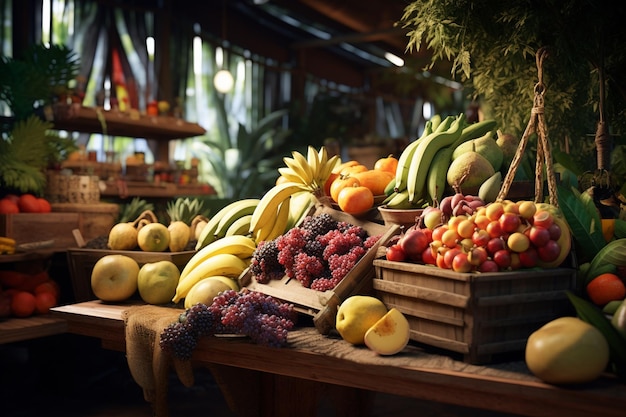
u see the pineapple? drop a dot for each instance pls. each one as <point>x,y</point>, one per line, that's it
<point>182,213</point>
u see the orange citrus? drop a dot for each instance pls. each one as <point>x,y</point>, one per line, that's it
<point>388,163</point>
<point>375,180</point>
<point>339,184</point>
<point>353,169</point>
<point>23,304</point>
<point>346,164</point>
<point>606,287</point>
<point>356,199</point>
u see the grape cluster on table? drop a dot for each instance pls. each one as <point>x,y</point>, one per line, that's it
<point>319,253</point>
<point>264,319</point>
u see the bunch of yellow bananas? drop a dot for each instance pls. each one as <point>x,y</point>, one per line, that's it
<point>7,246</point>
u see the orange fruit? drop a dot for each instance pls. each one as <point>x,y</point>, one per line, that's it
<point>353,169</point>
<point>23,304</point>
<point>339,184</point>
<point>331,178</point>
<point>606,287</point>
<point>343,165</point>
<point>388,163</point>
<point>375,180</point>
<point>356,199</point>
<point>44,205</point>
<point>44,301</point>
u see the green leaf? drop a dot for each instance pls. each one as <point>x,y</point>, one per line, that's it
<point>612,254</point>
<point>620,229</point>
<point>584,222</point>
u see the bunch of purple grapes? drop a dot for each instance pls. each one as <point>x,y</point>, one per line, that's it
<point>261,317</point>
<point>319,253</point>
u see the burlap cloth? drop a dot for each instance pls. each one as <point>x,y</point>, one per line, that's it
<point>149,365</point>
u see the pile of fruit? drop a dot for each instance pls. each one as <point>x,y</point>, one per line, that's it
<point>465,234</point>
<point>24,294</point>
<point>24,203</point>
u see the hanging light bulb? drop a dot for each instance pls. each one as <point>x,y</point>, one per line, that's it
<point>223,81</point>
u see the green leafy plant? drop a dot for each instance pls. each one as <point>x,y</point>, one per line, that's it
<point>40,76</point>
<point>492,45</point>
<point>244,164</point>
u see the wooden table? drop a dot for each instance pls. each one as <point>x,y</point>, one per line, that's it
<point>18,329</point>
<point>312,359</point>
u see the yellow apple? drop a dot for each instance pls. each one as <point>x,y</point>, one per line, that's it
<point>204,291</point>
<point>157,282</point>
<point>390,334</point>
<point>114,278</point>
<point>567,350</point>
<point>356,314</point>
<point>232,283</point>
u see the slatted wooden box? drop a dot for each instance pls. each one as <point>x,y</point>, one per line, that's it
<point>53,228</point>
<point>483,316</point>
<point>81,262</point>
<point>322,305</point>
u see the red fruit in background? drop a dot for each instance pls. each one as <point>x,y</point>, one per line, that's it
<point>44,301</point>
<point>8,206</point>
<point>23,304</point>
<point>5,304</point>
<point>395,253</point>
<point>28,203</point>
<point>44,205</point>
<point>476,256</point>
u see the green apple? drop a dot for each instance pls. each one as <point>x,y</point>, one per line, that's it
<point>114,278</point>
<point>157,282</point>
<point>390,334</point>
<point>205,290</point>
<point>356,314</point>
<point>567,350</point>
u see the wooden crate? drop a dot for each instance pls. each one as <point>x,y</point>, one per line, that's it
<point>483,316</point>
<point>94,220</point>
<point>55,228</point>
<point>322,305</point>
<point>81,262</point>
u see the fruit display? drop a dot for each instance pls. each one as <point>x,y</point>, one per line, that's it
<point>24,203</point>
<point>24,294</point>
<point>465,235</point>
<point>427,170</point>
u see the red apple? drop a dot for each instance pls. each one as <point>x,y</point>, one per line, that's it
<point>509,222</point>
<point>543,218</point>
<point>460,263</point>
<point>495,244</point>
<point>550,251</point>
<point>529,257</point>
<point>488,266</point>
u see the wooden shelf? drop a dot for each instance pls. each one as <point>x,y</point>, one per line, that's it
<point>123,189</point>
<point>16,329</point>
<point>97,120</point>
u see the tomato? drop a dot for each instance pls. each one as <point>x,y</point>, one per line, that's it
<point>8,206</point>
<point>44,205</point>
<point>395,253</point>
<point>356,199</point>
<point>28,203</point>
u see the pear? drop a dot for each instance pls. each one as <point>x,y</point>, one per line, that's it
<point>469,171</point>
<point>508,144</point>
<point>486,146</point>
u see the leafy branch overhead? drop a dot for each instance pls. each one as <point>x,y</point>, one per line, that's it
<point>492,46</point>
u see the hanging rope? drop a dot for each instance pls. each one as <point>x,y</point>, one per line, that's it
<point>537,125</point>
